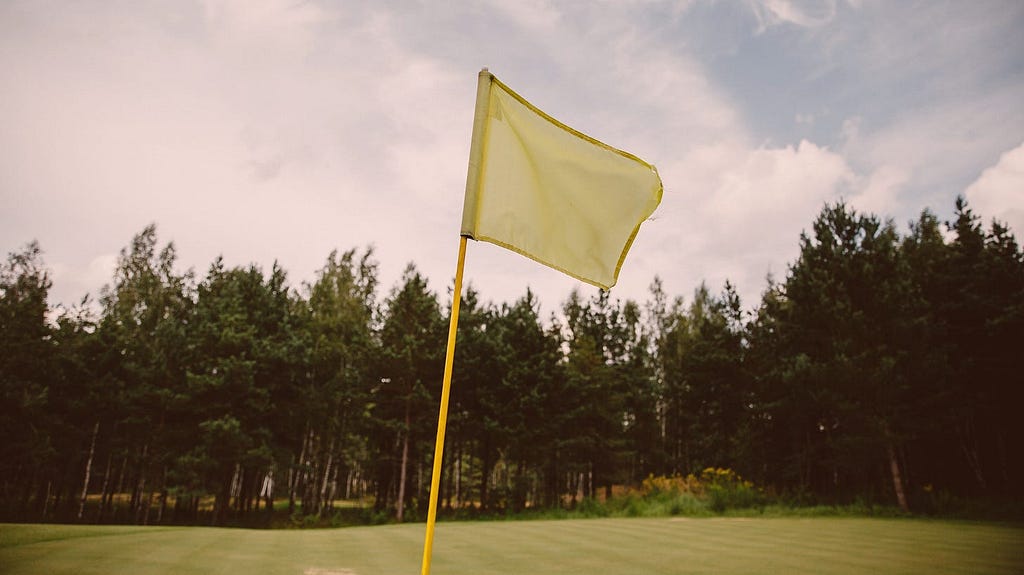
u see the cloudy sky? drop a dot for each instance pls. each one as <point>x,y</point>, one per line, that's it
<point>266,130</point>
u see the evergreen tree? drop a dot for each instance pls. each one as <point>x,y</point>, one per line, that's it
<point>524,386</point>
<point>641,423</point>
<point>238,337</point>
<point>81,396</point>
<point>845,292</point>
<point>342,308</point>
<point>405,404</point>
<point>596,421</point>
<point>707,388</point>
<point>26,375</point>
<point>983,311</point>
<point>930,350</point>
<point>775,427</point>
<point>473,413</point>
<point>143,330</point>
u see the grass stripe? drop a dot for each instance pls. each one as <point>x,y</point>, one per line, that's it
<point>830,546</point>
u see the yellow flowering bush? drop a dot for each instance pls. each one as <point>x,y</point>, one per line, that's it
<point>672,485</point>
<point>721,488</point>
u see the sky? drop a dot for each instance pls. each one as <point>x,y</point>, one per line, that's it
<point>280,130</point>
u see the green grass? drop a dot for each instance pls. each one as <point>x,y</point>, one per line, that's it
<point>608,546</point>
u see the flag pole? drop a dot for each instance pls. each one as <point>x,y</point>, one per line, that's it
<point>442,417</point>
<point>468,213</point>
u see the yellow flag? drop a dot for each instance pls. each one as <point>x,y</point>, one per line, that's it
<point>544,190</point>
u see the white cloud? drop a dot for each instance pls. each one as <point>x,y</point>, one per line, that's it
<point>803,13</point>
<point>806,119</point>
<point>881,191</point>
<point>741,211</point>
<point>537,15</point>
<point>264,28</point>
<point>999,191</point>
<point>87,279</point>
<point>924,158</point>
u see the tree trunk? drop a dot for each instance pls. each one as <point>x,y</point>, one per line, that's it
<point>88,470</point>
<point>162,495</point>
<point>139,492</point>
<point>140,485</point>
<point>163,501</point>
<point>291,487</point>
<point>267,490</point>
<point>969,445</point>
<point>222,500</point>
<point>237,482</point>
<point>897,478</point>
<point>104,495</point>
<point>444,498</point>
<point>485,473</point>
<point>326,479</point>
<point>307,479</point>
<point>405,463</point>
<point>332,492</point>
<point>148,503</point>
<point>296,471</point>
<point>116,496</point>
<point>421,490</point>
<point>46,499</point>
<point>456,480</point>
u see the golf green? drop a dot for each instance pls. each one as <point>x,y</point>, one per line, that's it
<point>607,546</point>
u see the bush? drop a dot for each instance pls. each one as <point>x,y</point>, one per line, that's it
<point>591,507</point>
<point>653,487</point>
<point>716,490</point>
<point>725,489</point>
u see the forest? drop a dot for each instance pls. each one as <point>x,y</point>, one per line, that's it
<point>884,367</point>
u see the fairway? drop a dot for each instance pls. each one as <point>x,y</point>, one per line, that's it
<point>607,546</point>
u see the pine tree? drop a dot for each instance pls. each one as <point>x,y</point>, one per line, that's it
<point>26,358</point>
<point>405,403</point>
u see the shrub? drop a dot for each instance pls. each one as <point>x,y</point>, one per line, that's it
<point>655,486</point>
<point>717,489</point>
<point>725,489</point>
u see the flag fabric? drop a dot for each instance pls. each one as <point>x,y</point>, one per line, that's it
<point>542,189</point>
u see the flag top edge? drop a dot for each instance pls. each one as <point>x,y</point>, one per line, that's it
<point>561,125</point>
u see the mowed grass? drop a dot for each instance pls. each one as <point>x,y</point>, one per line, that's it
<point>606,546</point>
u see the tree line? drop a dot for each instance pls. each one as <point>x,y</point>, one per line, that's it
<point>884,367</point>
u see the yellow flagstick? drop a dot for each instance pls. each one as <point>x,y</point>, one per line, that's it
<point>472,182</point>
<point>442,418</point>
